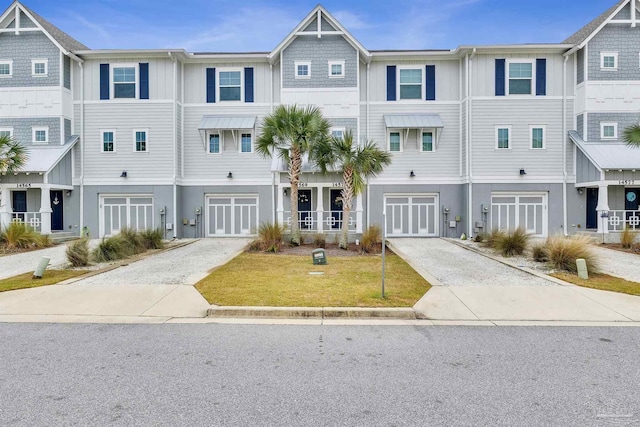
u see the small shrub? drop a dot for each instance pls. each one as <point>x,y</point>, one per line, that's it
<point>563,253</point>
<point>152,239</point>
<point>372,239</point>
<point>270,236</point>
<point>78,252</point>
<point>492,238</point>
<point>539,252</point>
<point>20,235</point>
<point>319,240</point>
<point>480,237</point>
<point>513,243</point>
<point>133,242</point>
<point>111,249</point>
<point>628,238</point>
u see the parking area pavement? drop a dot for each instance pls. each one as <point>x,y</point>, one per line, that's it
<point>470,286</point>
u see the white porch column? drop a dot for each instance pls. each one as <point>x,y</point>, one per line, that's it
<point>359,215</point>
<point>280,209</point>
<point>45,210</point>
<point>603,206</point>
<point>5,207</point>
<point>320,208</point>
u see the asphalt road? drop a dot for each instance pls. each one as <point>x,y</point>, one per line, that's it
<point>195,375</point>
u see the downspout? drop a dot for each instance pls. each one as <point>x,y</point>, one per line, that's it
<point>81,65</point>
<point>565,214</point>
<point>470,143</point>
<point>271,85</point>
<point>368,188</point>
<point>273,173</point>
<point>175,144</point>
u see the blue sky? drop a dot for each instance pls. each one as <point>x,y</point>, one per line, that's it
<point>259,25</point>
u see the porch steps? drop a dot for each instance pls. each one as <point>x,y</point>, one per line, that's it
<point>58,237</point>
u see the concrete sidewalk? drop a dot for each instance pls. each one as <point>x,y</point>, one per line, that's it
<point>460,294</point>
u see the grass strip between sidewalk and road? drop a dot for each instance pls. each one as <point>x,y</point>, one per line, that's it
<point>51,277</point>
<point>256,279</point>
<point>603,282</point>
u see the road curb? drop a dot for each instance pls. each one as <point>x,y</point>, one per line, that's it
<point>312,312</point>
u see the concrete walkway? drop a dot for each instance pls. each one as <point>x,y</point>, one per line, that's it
<point>618,263</point>
<point>157,288</point>
<point>463,289</point>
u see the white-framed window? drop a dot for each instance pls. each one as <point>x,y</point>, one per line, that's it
<point>608,130</point>
<point>39,67</point>
<point>503,137</point>
<point>337,132</point>
<point>246,143</point>
<point>302,69</point>
<point>6,132</point>
<point>411,83</point>
<point>6,68</point>
<point>140,140</point>
<point>520,77</point>
<point>336,69</point>
<point>230,85</point>
<point>108,140</point>
<point>40,134</point>
<point>538,137</point>
<point>124,80</point>
<point>426,142</point>
<point>214,143</point>
<point>395,141</point>
<point>609,61</point>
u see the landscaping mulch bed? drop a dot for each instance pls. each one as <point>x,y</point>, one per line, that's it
<point>618,247</point>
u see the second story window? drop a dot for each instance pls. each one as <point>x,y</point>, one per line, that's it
<point>520,78</point>
<point>609,61</point>
<point>337,133</point>
<point>503,137</point>
<point>336,68</point>
<point>6,132</point>
<point>140,141</point>
<point>108,141</point>
<point>214,143</point>
<point>537,137</point>
<point>608,131</point>
<point>6,68</point>
<point>39,67</point>
<point>245,143</point>
<point>230,85</point>
<point>411,84</point>
<point>302,70</point>
<point>394,142</point>
<point>40,135</point>
<point>427,141</point>
<point>124,82</point>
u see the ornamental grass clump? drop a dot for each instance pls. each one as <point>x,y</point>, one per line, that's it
<point>319,240</point>
<point>563,253</point>
<point>513,243</point>
<point>494,237</point>
<point>111,249</point>
<point>152,238</point>
<point>20,236</point>
<point>372,239</point>
<point>78,253</point>
<point>628,238</point>
<point>132,241</point>
<point>539,252</point>
<point>270,238</point>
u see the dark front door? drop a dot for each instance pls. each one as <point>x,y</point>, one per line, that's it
<point>592,203</point>
<point>19,203</point>
<point>57,208</point>
<point>336,209</point>
<point>304,208</point>
<point>631,199</point>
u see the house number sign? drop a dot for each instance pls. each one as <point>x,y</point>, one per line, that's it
<point>24,185</point>
<point>627,182</point>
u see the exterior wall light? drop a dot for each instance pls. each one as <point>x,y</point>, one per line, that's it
<point>522,172</point>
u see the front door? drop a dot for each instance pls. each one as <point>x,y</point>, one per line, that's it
<point>336,209</point>
<point>592,204</point>
<point>57,223</point>
<point>631,199</point>
<point>19,203</point>
<point>304,209</point>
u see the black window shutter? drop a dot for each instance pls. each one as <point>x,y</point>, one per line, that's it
<point>391,82</point>
<point>144,80</point>
<point>248,84</point>
<point>104,81</point>
<point>541,77</point>
<point>500,77</point>
<point>430,76</point>
<point>211,85</point>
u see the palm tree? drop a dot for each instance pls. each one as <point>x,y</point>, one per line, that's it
<point>632,136</point>
<point>357,162</point>
<point>289,132</point>
<point>13,156</point>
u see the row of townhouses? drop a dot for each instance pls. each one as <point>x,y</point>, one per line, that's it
<point>482,137</point>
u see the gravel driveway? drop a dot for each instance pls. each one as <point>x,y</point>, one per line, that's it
<point>180,266</point>
<point>618,263</point>
<point>456,266</point>
<point>12,265</point>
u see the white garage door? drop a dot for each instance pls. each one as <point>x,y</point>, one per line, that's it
<point>527,210</point>
<point>117,212</point>
<point>415,215</point>
<point>232,215</point>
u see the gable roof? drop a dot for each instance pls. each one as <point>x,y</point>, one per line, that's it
<point>583,33</point>
<point>59,37</point>
<point>310,18</point>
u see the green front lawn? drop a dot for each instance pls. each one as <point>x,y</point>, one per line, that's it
<point>24,281</point>
<point>603,282</point>
<point>256,279</point>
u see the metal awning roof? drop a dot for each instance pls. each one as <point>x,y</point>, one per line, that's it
<point>608,155</point>
<point>44,158</point>
<point>413,121</point>
<point>227,122</point>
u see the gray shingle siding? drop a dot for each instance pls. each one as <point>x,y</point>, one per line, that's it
<point>616,38</point>
<point>319,52</point>
<point>580,66</point>
<point>623,119</point>
<point>625,13</point>
<point>325,26</point>
<point>66,77</point>
<point>25,22</point>
<point>580,125</point>
<point>67,129</point>
<point>22,49</point>
<point>22,128</point>
<point>313,26</point>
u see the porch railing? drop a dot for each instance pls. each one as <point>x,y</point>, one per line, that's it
<point>32,219</point>
<point>619,220</point>
<point>331,220</point>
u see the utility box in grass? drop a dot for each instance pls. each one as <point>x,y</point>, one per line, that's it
<point>319,257</point>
